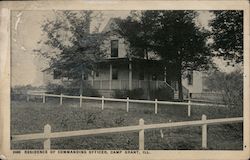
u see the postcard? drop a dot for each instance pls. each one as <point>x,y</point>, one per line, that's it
<point>124,80</point>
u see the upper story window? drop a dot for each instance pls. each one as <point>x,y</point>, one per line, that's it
<point>190,77</point>
<point>57,74</point>
<point>114,48</point>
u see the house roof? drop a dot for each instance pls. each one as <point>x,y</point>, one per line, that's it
<point>111,25</point>
<point>46,69</point>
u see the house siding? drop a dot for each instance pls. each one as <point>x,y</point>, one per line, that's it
<point>48,78</point>
<point>197,86</point>
<point>122,46</point>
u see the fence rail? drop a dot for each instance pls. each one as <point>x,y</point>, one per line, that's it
<point>189,104</point>
<point>47,135</point>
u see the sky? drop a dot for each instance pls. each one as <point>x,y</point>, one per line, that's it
<point>26,32</point>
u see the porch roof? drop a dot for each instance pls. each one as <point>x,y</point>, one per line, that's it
<point>127,60</point>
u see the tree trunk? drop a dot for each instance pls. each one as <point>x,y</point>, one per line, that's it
<point>82,78</point>
<point>180,87</point>
<point>148,76</point>
<point>179,79</point>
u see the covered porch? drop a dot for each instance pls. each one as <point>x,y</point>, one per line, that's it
<point>125,73</point>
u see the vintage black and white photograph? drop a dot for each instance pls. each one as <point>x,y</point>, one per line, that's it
<point>132,80</point>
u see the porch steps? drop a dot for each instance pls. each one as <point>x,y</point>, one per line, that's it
<point>176,94</point>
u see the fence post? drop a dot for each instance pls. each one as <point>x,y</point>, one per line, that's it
<point>189,108</point>
<point>156,105</point>
<point>204,132</point>
<point>43,97</point>
<point>80,100</point>
<point>141,134</point>
<point>102,102</point>
<point>47,131</point>
<point>61,99</point>
<point>127,104</point>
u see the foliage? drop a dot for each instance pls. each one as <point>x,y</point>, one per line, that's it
<point>227,34</point>
<point>72,90</point>
<point>132,94</point>
<point>231,85</point>
<point>137,29</point>
<point>22,89</point>
<point>162,94</point>
<point>19,92</point>
<point>72,49</point>
<point>172,35</point>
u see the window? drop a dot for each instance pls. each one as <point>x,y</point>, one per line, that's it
<point>141,75</point>
<point>190,77</point>
<point>57,74</point>
<point>114,73</point>
<point>114,48</point>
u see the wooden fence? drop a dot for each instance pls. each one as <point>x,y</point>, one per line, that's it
<point>48,135</point>
<point>189,104</point>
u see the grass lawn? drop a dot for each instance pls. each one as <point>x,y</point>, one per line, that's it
<point>30,117</point>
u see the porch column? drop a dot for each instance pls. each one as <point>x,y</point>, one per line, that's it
<point>110,76</point>
<point>165,74</point>
<point>130,76</point>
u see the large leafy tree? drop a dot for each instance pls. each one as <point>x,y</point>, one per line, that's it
<point>173,35</point>
<point>227,27</point>
<point>178,40</point>
<point>137,30</point>
<point>68,44</point>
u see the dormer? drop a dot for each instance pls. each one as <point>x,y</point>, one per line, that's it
<point>114,45</point>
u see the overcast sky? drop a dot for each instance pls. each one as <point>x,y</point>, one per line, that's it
<point>26,32</point>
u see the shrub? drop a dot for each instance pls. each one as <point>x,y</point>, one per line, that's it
<point>19,92</point>
<point>231,87</point>
<point>55,88</point>
<point>132,94</point>
<point>72,90</point>
<point>120,94</point>
<point>162,94</point>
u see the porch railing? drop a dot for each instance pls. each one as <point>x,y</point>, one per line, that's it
<point>124,84</point>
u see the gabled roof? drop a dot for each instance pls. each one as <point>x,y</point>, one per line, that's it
<point>111,25</point>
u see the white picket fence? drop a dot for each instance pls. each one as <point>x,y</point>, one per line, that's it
<point>48,135</point>
<point>189,104</point>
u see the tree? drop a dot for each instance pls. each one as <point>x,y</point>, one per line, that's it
<point>180,41</point>
<point>174,36</point>
<point>231,87</point>
<point>227,27</point>
<point>137,30</point>
<point>75,50</point>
